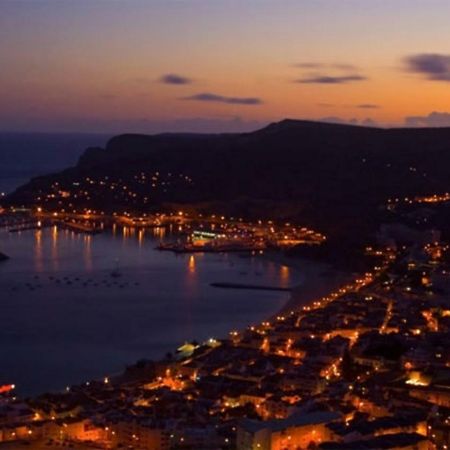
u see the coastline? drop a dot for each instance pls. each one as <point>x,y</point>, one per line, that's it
<point>319,286</point>
<point>89,294</point>
<point>320,280</point>
<point>315,281</point>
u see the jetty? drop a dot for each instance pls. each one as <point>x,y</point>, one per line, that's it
<point>226,285</point>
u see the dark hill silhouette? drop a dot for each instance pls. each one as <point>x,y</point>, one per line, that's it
<point>330,176</point>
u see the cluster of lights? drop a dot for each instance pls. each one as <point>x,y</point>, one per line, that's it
<point>137,189</point>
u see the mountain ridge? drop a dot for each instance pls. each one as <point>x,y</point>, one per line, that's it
<point>317,173</point>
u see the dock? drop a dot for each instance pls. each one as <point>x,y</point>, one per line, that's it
<point>226,285</point>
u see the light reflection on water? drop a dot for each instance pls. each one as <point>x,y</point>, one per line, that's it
<point>284,275</point>
<point>65,318</point>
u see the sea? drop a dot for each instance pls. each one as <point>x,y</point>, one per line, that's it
<point>76,307</point>
<point>23,156</point>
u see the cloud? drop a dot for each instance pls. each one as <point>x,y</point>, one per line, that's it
<point>367,106</point>
<point>432,66</point>
<point>172,78</point>
<point>331,79</point>
<point>368,122</point>
<point>208,97</point>
<point>328,73</point>
<point>434,119</point>
<point>337,66</point>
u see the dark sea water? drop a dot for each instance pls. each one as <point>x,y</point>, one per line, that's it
<point>27,155</point>
<point>64,319</point>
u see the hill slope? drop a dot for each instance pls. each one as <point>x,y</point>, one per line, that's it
<point>333,177</point>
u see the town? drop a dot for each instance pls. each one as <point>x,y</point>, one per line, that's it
<point>365,367</point>
<point>224,225</point>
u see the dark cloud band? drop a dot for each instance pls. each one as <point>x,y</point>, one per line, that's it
<point>334,66</point>
<point>331,79</point>
<point>209,97</point>
<point>172,78</point>
<point>434,119</point>
<point>432,66</point>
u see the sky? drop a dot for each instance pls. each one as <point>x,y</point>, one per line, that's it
<point>221,65</point>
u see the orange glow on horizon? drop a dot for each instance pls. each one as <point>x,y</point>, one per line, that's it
<point>74,77</point>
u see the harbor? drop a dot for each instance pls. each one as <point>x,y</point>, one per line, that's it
<point>159,300</point>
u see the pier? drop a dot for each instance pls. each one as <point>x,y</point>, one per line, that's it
<point>226,285</point>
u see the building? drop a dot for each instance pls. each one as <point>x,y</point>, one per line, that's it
<point>297,431</point>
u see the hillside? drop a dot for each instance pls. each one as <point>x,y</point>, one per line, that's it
<point>332,177</point>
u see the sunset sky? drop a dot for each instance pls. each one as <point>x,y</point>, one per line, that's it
<point>221,65</point>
